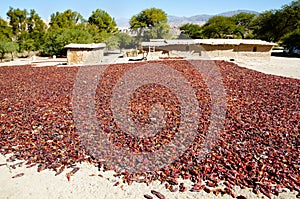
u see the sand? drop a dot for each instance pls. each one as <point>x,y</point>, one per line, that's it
<point>87,184</point>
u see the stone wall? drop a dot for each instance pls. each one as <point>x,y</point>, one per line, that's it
<point>84,56</point>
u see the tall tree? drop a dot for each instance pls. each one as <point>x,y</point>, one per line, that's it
<point>55,40</point>
<point>273,25</point>
<point>152,22</point>
<point>103,21</point>
<point>17,20</point>
<point>218,27</point>
<point>243,22</point>
<point>148,18</point>
<point>66,20</point>
<point>190,31</point>
<point>5,31</point>
<point>36,29</point>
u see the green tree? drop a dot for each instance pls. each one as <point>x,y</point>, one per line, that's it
<point>125,41</point>
<point>190,31</point>
<point>36,30</point>
<point>5,31</point>
<point>218,27</point>
<point>103,21</point>
<point>150,23</point>
<point>160,31</point>
<point>17,20</point>
<point>148,18</point>
<point>291,39</point>
<point>273,25</point>
<point>66,20</point>
<point>56,40</point>
<point>242,23</point>
<point>7,47</point>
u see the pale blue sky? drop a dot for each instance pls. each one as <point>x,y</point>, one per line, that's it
<point>125,9</point>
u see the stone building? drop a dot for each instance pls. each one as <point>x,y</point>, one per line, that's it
<point>85,53</point>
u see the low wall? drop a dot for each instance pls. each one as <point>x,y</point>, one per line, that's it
<point>87,56</point>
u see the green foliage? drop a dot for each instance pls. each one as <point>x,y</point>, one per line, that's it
<point>218,27</point>
<point>55,40</point>
<point>5,31</point>
<point>7,47</point>
<point>151,24</point>
<point>273,25</point>
<point>190,31</point>
<point>148,18</point>
<point>125,41</point>
<point>28,29</point>
<point>103,21</point>
<point>291,39</point>
<point>17,20</point>
<point>66,20</point>
<point>160,31</point>
<point>242,23</point>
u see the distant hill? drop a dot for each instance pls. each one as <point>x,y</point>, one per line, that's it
<point>201,19</point>
<point>231,13</point>
<point>197,19</point>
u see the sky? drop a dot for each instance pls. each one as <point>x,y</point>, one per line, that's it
<point>127,8</point>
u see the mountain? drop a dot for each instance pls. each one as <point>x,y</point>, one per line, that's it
<point>201,19</point>
<point>231,13</point>
<point>196,19</point>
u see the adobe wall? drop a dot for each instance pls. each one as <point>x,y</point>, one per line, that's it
<point>237,52</point>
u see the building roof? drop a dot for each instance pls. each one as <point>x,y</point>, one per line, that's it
<point>233,42</point>
<point>87,46</point>
<point>208,42</point>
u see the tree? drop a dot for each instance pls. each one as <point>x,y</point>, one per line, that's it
<point>291,39</point>
<point>36,30</point>
<point>55,40</point>
<point>125,41</point>
<point>273,25</point>
<point>243,22</point>
<point>5,31</point>
<point>160,31</point>
<point>152,23</point>
<point>17,20</point>
<point>7,47</point>
<point>66,20</point>
<point>103,21</point>
<point>190,31</point>
<point>218,27</point>
<point>148,18</point>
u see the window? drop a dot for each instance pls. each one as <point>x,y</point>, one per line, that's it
<point>254,49</point>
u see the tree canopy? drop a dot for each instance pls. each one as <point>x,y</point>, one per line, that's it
<point>5,31</point>
<point>151,24</point>
<point>103,21</point>
<point>148,18</point>
<point>274,25</point>
<point>190,31</point>
<point>67,19</point>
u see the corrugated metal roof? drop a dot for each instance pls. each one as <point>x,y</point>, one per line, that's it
<point>86,46</point>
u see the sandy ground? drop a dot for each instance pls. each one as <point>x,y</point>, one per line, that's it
<point>282,66</point>
<point>87,184</point>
